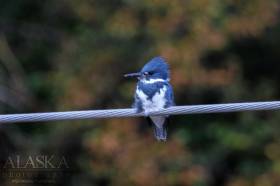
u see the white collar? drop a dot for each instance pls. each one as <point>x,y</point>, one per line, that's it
<point>151,81</point>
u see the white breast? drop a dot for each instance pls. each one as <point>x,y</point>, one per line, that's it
<point>156,103</point>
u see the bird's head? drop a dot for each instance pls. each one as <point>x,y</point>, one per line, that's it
<point>156,68</point>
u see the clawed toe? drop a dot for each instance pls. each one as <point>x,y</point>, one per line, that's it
<point>146,113</point>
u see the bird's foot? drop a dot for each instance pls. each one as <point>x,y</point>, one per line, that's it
<point>146,113</point>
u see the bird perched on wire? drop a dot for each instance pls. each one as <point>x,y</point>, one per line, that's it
<point>154,92</point>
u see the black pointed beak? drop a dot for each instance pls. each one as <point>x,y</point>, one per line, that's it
<point>137,74</point>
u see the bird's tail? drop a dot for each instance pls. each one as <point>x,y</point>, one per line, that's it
<point>160,126</point>
<point>160,133</point>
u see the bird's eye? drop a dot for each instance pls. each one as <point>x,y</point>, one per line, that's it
<point>148,73</point>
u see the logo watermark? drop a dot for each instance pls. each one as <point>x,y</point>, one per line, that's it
<point>28,169</point>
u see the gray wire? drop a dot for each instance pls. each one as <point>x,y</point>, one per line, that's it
<point>118,113</point>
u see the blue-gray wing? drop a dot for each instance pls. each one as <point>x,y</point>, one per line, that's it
<point>169,96</point>
<point>137,104</point>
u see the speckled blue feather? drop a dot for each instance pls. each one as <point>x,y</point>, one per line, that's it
<point>159,67</point>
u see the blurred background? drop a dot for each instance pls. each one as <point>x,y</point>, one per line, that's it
<point>59,55</point>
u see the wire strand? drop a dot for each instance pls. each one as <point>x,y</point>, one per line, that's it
<point>131,112</point>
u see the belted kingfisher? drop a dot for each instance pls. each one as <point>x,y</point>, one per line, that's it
<point>153,92</point>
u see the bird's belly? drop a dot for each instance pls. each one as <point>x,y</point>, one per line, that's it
<point>155,103</point>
